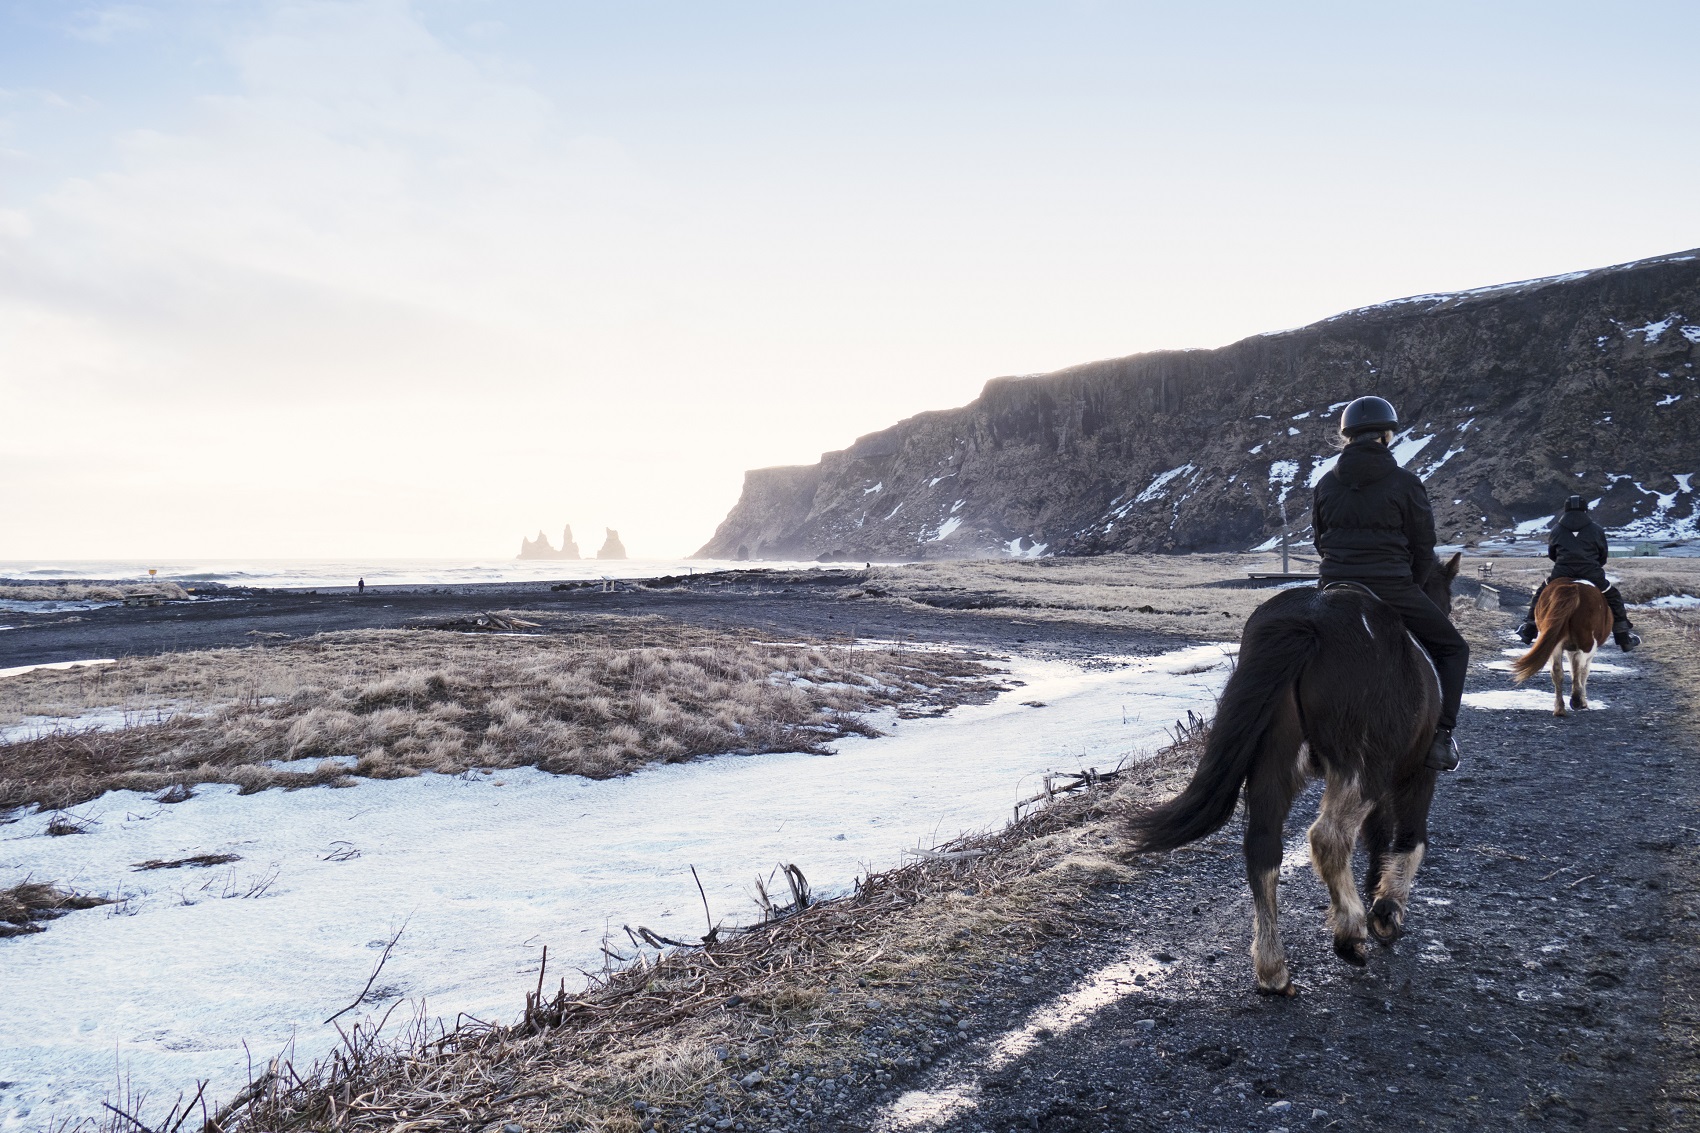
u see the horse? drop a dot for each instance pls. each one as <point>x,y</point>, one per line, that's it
<point>1329,685</point>
<point>1574,621</point>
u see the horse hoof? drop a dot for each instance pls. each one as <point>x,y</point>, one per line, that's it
<point>1386,921</point>
<point>1285,991</point>
<point>1351,951</point>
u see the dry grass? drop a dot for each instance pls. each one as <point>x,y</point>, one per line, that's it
<point>396,703</point>
<point>24,906</point>
<point>1174,594</point>
<point>91,592</point>
<point>679,1031</point>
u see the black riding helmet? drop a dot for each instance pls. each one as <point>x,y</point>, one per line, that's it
<point>1368,415</point>
<point>1575,503</point>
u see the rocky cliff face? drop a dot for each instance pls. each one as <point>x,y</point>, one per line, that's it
<point>1515,396</point>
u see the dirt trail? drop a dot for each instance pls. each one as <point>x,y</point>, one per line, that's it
<point>1546,956</point>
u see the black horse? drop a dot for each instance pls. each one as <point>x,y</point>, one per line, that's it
<point>1329,686</point>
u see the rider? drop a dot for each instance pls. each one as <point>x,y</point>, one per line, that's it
<point>1374,526</point>
<point>1577,548</point>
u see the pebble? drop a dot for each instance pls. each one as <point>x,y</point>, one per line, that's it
<point>874,1005</point>
<point>511,1129</point>
<point>1278,1106</point>
<point>1146,1024</point>
<point>750,1081</point>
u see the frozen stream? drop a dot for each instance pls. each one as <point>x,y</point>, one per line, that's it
<point>485,869</point>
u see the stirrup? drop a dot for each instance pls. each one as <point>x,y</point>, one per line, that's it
<point>1443,752</point>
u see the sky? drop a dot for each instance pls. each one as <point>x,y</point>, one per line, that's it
<point>381,278</point>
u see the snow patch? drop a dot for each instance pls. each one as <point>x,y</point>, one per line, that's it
<point>1520,699</point>
<point>880,487</point>
<point>1322,468</point>
<point>1669,399</point>
<point>946,528</point>
<point>20,670</point>
<point>1160,485</point>
<point>1406,447</point>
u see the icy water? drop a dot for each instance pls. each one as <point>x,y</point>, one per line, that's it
<point>484,870</point>
<point>376,572</point>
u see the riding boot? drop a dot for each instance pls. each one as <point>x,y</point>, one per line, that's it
<point>1528,630</point>
<point>1442,753</point>
<point>1622,630</point>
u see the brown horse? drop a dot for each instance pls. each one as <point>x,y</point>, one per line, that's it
<point>1329,686</point>
<point>1574,621</point>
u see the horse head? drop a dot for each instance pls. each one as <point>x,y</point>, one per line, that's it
<point>1438,585</point>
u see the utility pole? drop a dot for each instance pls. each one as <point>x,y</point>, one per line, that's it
<point>1284,533</point>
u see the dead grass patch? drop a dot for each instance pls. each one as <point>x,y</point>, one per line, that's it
<point>1173,594</point>
<point>23,907</point>
<point>395,703</point>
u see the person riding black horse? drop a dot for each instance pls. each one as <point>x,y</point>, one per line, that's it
<point>1375,527</point>
<point>1577,547</point>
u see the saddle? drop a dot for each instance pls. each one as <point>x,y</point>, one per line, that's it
<point>1357,587</point>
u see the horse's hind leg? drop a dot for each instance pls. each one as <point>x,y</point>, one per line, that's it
<point>1269,791</point>
<point>1558,682</point>
<point>1332,837</point>
<point>1579,664</point>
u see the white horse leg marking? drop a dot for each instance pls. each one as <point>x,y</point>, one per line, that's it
<point>1580,664</point>
<point>1398,875</point>
<point>1267,955</point>
<point>1332,837</point>
<point>1558,682</point>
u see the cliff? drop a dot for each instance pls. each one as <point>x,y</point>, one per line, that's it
<point>1515,396</point>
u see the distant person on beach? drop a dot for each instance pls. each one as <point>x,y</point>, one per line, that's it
<point>363,586</point>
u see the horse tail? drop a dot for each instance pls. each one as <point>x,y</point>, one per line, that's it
<point>1271,658</point>
<point>1557,604</point>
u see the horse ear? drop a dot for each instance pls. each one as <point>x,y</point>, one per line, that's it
<point>1452,565</point>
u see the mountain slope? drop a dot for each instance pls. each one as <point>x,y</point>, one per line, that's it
<point>1517,395</point>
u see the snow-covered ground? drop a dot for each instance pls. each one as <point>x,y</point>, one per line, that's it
<point>198,967</point>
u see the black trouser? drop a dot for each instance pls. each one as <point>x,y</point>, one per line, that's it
<point>1451,653</point>
<point>1620,616</point>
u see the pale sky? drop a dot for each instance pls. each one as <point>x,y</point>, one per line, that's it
<point>388,278</point>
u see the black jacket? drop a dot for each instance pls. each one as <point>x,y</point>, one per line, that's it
<point>1577,545</point>
<point>1372,518</point>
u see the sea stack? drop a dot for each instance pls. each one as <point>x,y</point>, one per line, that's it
<point>541,548</point>
<point>612,548</point>
<point>538,548</point>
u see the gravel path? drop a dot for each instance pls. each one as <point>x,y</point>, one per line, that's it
<point>1546,958</point>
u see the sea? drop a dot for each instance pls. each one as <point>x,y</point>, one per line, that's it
<point>316,574</point>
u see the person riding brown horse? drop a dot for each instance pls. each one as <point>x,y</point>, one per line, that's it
<point>1578,549</point>
<point>1375,527</point>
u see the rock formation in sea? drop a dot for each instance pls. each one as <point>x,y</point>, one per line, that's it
<point>541,548</point>
<point>1513,397</point>
<point>612,548</point>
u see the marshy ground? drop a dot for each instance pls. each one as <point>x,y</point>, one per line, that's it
<point>1546,979</point>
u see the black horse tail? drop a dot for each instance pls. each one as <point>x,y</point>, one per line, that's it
<point>1271,658</point>
<point>1557,604</point>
